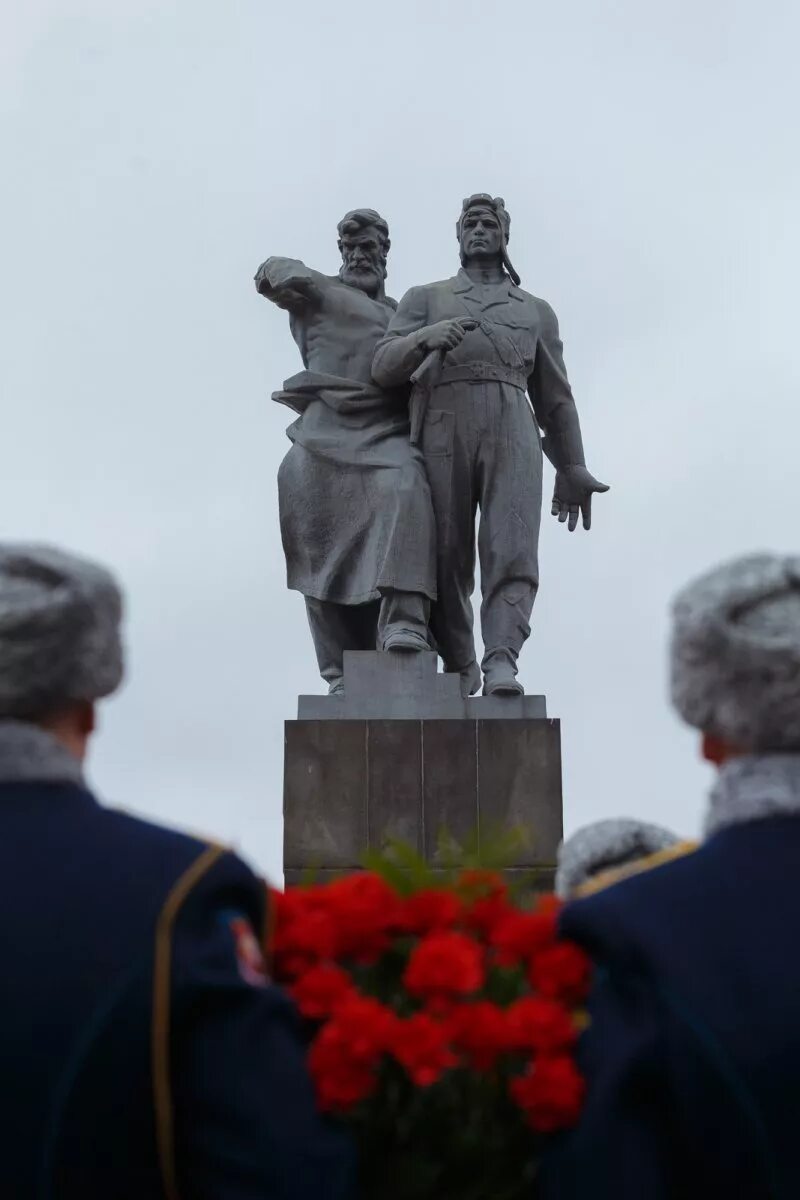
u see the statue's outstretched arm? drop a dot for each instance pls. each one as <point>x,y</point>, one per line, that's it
<point>289,283</point>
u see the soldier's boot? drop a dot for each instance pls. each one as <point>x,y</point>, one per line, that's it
<point>500,674</point>
<point>403,622</point>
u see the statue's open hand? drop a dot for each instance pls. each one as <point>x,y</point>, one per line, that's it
<point>573,493</point>
<point>446,335</point>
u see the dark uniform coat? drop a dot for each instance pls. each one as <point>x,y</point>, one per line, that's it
<point>693,1052</point>
<point>143,1053</point>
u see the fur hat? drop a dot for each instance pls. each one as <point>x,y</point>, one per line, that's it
<point>735,660</point>
<point>604,845</point>
<point>59,630</point>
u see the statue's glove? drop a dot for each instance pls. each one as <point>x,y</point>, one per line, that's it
<point>573,493</point>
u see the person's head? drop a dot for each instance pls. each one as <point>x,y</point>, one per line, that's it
<point>603,851</point>
<point>364,244</point>
<point>483,230</point>
<point>60,644</point>
<point>735,657</point>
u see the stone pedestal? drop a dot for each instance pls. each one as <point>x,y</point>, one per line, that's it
<point>403,755</point>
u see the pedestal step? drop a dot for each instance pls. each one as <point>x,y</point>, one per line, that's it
<point>407,687</point>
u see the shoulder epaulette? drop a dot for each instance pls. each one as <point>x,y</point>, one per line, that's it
<point>606,879</point>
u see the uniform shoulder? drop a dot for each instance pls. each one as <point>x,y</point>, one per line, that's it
<point>625,909</point>
<point>540,302</point>
<point>545,310</point>
<point>138,838</point>
<point>421,290</point>
<point>142,831</point>
<point>416,301</point>
<point>446,285</point>
<point>207,874</point>
<point>614,875</point>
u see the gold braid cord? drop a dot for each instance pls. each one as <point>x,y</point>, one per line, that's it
<point>162,991</point>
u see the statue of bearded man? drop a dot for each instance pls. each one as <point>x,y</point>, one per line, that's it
<point>356,516</point>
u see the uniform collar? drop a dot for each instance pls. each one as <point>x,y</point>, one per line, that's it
<point>462,285</point>
<point>29,755</point>
<point>753,788</point>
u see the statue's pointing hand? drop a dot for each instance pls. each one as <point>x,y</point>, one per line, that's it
<point>573,493</point>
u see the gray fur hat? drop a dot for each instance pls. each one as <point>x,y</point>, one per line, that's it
<point>604,845</point>
<point>59,630</point>
<point>735,660</point>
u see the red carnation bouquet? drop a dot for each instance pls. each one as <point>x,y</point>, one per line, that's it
<point>443,1015</point>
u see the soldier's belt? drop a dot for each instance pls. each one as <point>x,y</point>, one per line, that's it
<point>478,372</point>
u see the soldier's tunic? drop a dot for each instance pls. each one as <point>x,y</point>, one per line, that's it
<point>144,1055</point>
<point>483,450</point>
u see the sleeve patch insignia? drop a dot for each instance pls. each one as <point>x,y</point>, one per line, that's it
<point>249,957</point>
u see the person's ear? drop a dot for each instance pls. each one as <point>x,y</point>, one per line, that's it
<point>715,750</point>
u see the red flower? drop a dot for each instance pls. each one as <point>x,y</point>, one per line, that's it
<point>486,896</point>
<point>443,966</point>
<point>366,912</point>
<point>480,1032</point>
<point>420,1045</point>
<point>550,1094</point>
<point>540,1025</point>
<point>432,908</point>
<point>549,903</point>
<point>518,935</point>
<point>483,915</point>
<point>340,1081</point>
<point>347,1050</point>
<point>561,972</point>
<point>479,882</point>
<point>304,931</point>
<point>366,1024</point>
<point>321,989</point>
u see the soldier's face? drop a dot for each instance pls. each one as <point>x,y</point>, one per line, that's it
<point>480,235</point>
<point>362,260</point>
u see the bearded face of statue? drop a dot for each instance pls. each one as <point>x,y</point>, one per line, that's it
<point>363,259</point>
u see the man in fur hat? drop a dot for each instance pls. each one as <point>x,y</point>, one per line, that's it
<point>692,1053</point>
<point>481,443</point>
<point>144,1051</point>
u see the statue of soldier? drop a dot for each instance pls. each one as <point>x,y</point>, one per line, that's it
<point>356,518</point>
<point>491,343</point>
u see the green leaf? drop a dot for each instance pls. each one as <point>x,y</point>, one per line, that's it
<point>401,866</point>
<point>387,869</point>
<point>492,846</point>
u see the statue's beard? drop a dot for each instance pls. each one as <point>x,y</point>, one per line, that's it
<point>366,276</point>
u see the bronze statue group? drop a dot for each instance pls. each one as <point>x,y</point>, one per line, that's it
<point>412,419</point>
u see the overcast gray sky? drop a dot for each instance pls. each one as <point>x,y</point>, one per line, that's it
<point>155,151</point>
